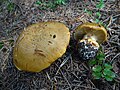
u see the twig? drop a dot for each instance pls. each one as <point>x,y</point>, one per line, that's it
<point>109,55</point>
<point>65,60</point>
<point>64,77</point>
<point>116,16</point>
<point>92,83</point>
<point>110,22</point>
<point>81,86</point>
<point>50,79</point>
<point>115,43</point>
<point>114,57</point>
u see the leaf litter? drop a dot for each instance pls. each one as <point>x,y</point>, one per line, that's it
<point>68,72</point>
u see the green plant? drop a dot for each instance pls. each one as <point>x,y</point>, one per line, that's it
<point>60,2</point>
<point>50,4</point>
<point>88,11</point>
<point>10,6</point>
<point>100,68</point>
<point>100,5</point>
<point>98,15</point>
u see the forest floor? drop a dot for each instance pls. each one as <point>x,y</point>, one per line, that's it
<point>68,72</point>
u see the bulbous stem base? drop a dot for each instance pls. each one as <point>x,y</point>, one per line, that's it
<point>87,49</point>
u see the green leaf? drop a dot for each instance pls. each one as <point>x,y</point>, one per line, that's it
<point>103,75</point>
<point>63,2</point>
<point>60,2</point>
<point>109,73</point>
<point>100,56</point>
<point>106,71</point>
<point>113,75</point>
<point>1,44</point>
<point>97,20</point>
<point>87,11</point>
<point>38,2</point>
<point>97,68</point>
<point>97,75</point>
<point>100,61</point>
<point>10,6</point>
<point>98,14</point>
<point>108,78</point>
<point>92,62</point>
<point>100,5</point>
<point>101,23</point>
<point>108,66</point>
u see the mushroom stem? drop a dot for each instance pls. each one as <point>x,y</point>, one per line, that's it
<point>89,36</point>
<point>91,40</point>
<point>88,47</point>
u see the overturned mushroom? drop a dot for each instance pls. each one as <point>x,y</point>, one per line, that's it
<point>89,36</point>
<point>39,45</point>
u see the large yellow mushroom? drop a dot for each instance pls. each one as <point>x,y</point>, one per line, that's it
<point>39,45</point>
<point>89,37</point>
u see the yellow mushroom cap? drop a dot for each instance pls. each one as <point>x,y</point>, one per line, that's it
<point>94,30</point>
<point>39,45</point>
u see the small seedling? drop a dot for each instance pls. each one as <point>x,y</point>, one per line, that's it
<point>88,11</point>
<point>10,6</point>
<point>50,4</point>
<point>60,2</point>
<point>100,68</point>
<point>100,5</point>
<point>97,17</point>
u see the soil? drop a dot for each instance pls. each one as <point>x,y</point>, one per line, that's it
<point>69,72</point>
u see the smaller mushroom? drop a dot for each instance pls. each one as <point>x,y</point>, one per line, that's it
<point>89,37</point>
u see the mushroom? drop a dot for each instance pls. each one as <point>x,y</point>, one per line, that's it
<point>89,37</point>
<point>39,45</point>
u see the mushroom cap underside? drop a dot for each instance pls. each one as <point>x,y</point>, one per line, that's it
<point>92,29</point>
<point>39,45</point>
